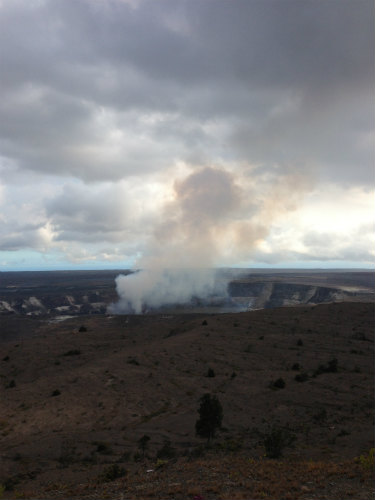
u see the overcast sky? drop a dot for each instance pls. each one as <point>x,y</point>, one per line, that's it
<point>212,132</point>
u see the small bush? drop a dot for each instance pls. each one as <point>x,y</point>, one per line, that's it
<point>103,448</point>
<point>111,473</point>
<point>276,439</point>
<point>166,451</point>
<point>278,384</point>
<point>72,352</point>
<point>160,463</point>
<point>249,348</point>
<point>367,460</point>
<point>331,367</point>
<point>230,445</point>
<point>198,452</point>
<point>11,384</point>
<point>82,328</point>
<point>301,377</point>
<point>296,366</point>
<point>133,361</point>
<point>143,443</point>
<point>9,483</point>
<point>320,416</point>
<point>56,392</point>
<point>204,323</point>
<point>299,342</point>
<point>210,373</point>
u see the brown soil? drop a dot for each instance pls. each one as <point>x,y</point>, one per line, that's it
<point>73,404</point>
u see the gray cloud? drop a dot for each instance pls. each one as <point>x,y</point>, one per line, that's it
<point>97,93</point>
<point>287,81</point>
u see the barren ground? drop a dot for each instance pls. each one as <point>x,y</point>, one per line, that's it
<point>73,404</point>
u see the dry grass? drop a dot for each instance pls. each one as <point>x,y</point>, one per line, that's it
<point>227,478</point>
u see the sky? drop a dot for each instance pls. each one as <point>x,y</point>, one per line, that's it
<point>186,133</point>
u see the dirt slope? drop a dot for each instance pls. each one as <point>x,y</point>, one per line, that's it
<point>73,403</point>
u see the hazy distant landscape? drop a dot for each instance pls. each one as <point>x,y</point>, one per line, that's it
<point>65,293</point>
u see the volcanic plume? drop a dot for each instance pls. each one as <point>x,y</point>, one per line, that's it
<point>212,218</point>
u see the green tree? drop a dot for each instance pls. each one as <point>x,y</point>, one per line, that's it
<point>210,417</point>
<point>143,443</point>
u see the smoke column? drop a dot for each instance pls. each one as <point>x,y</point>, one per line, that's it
<point>211,218</point>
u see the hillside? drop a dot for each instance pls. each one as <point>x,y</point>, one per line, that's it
<point>75,401</point>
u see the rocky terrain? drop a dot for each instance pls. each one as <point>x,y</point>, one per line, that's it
<point>70,293</point>
<point>76,398</point>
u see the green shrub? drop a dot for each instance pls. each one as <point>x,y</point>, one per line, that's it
<point>160,463</point>
<point>278,384</point>
<point>320,416</point>
<point>276,439</point>
<point>143,443</point>
<point>331,367</point>
<point>367,460</point>
<point>210,416</point>
<point>166,451</point>
<point>301,377</point>
<point>72,352</point>
<point>103,448</point>
<point>111,473</point>
<point>133,361</point>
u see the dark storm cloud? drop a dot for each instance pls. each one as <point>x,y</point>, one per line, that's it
<point>283,82</point>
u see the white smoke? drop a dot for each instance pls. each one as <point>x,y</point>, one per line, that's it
<point>153,288</point>
<point>210,218</point>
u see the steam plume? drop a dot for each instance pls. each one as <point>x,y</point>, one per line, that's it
<point>211,218</point>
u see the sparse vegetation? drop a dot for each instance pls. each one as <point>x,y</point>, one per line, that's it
<point>210,373</point>
<point>120,403</point>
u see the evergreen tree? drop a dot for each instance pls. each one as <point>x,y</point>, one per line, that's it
<point>210,417</point>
